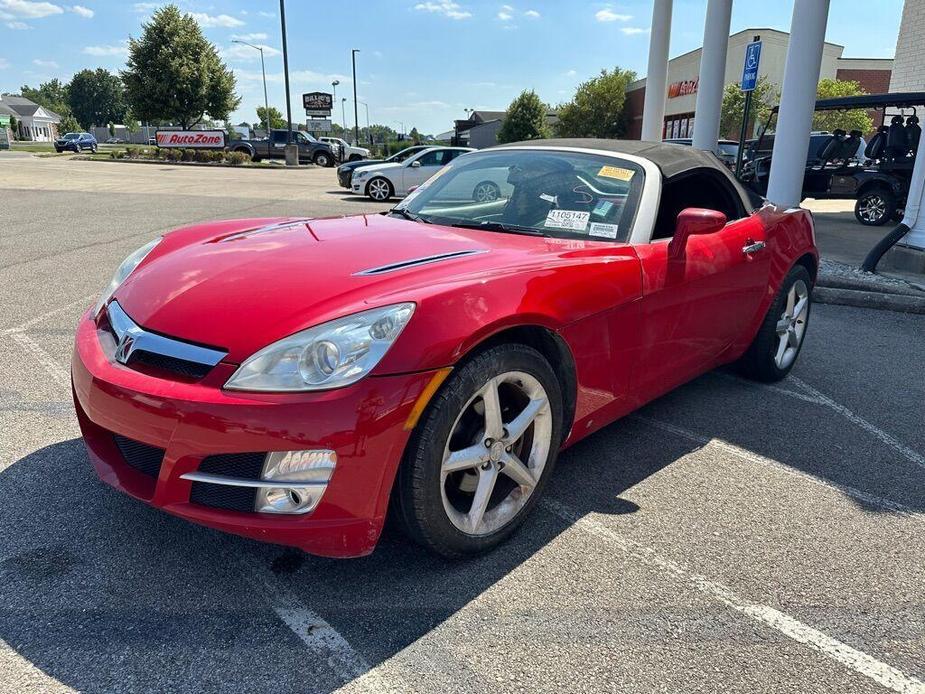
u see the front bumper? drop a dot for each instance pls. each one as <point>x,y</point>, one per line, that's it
<point>189,421</point>
<point>343,178</point>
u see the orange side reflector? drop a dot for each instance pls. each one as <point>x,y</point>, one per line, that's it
<point>425,396</point>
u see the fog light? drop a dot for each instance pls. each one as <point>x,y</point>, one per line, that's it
<point>302,477</point>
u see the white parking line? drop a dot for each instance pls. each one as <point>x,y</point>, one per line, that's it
<point>862,663</point>
<point>44,316</point>
<point>47,362</point>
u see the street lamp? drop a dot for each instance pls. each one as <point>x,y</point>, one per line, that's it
<point>343,113</point>
<point>356,117</point>
<point>263,69</point>
<point>402,133</point>
<point>292,152</point>
<point>334,95</point>
<point>368,134</point>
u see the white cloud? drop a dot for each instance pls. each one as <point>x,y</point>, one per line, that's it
<point>217,20</point>
<point>447,8</point>
<point>45,63</point>
<point>632,31</point>
<point>268,15</point>
<point>532,14</point>
<point>144,7</point>
<point>18,26</point>
<point>608,15</point>
<point>257,36</point>
<point>242,53</point>
<point>10,9</point>
<point>4,63</point>
<point>84,12</point>
<point>506,13</point>
<point>571,73</point>
<point>110,50</point>
<point>298,77</point>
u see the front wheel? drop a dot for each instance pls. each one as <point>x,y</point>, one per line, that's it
<point>486,191</point>
<point>482,453</point>
<point>875,207</point>
<point>355,157</point>
<point>322,159</point>
<point>775,348</point>
<point>379,189</point>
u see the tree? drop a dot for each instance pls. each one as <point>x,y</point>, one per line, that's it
<point>175,74</point>
<point>415,136</point>
<point>131,123</point>
<point>51,95</point>
<point>276,118</point>
<point>96,97</point>
<point>856,119</point>
<point>14,127</point>
<point>525,120</point>
<point>596,110</point>
<point>764,98</point>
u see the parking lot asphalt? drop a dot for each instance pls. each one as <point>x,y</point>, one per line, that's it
<point>728,537</point>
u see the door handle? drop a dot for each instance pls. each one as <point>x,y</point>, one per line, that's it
<point>753,247</point>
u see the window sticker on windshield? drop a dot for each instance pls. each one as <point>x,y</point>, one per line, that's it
<point>549,198</point>
<point>616,172</point>
<point>573,220</point>
<point>602,208</point>
<point>607,231</point>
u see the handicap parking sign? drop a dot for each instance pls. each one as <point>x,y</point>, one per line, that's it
<point>750,69</point>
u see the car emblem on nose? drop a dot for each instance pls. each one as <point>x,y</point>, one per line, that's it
<point>125,347</point>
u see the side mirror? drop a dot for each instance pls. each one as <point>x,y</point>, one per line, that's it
<point>416,164</point>
<point>412,189</point>
<point>693,221</point>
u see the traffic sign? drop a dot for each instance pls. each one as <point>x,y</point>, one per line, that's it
<point>750,69</point>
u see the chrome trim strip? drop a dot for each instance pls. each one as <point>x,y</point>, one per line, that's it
<point>237,482</point>
<point>415,262</point>
<point>131,337</point>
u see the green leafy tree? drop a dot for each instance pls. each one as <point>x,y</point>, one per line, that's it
<point>131,122</point>
<point>53,96</point>
<point>175,74</point>
<point>764,98</point>
<point>856,119</point>
<point>596,110</point>
<point>415,136</point>
<point>14,127</point>
<point>276,118</point>
<point>96,97</point>
<point>525,120</point>
<point>68,123</point>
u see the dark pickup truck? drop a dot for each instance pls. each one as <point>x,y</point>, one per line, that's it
<point>310,149</point>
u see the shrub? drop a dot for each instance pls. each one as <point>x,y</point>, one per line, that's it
<point>238,158</point>
<point>131,152</point>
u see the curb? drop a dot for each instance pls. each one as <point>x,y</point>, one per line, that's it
<point>836,282</point>
<point>899,303</point>
<point>163,162</point>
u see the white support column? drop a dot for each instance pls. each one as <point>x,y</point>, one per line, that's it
<point>653,110</point>
<point>798,98</point>
<point>712,74</point>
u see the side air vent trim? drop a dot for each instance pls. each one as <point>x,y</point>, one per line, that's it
<point>415,262</point>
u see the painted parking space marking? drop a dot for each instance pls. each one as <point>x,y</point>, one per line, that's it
<point>48,363</point>
<point>864,664</point>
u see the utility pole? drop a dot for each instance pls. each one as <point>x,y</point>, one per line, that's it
<point>356,112</point>
<point>292,151</point>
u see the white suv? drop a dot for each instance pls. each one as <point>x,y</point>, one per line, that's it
<point>347,151</point>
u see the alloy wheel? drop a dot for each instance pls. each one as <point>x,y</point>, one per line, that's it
<point>496,452</point>
<point>379,189</point>
<point>486,192</point>
<point>792,325</point>
<point>872,208</point>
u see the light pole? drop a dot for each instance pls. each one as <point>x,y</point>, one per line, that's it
<point>334,95</point>
<point>343,113</point>
<point>402,133</point>
<point>356,116</point>
<point>368,134</point>
<point>266,101</point>
<point>292,152</point>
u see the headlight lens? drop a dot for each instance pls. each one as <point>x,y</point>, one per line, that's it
<point>330,355</point>
<point>361,174</point>
<point>123,271</point>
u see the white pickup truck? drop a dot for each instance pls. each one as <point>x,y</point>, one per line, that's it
<point>347,151</point>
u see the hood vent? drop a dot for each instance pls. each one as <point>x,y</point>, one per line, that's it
<point>414,262</point>
<point>261,230</point>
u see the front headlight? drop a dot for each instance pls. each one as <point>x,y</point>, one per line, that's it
<point>123,271</point>
<point>360,174</point>
<point>330,355</point>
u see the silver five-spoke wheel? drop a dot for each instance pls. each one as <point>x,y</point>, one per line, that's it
<point>792,324</point>
<point>496,453</point>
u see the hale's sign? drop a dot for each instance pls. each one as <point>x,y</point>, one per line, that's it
<point>750,69</point>
<point>193,139</point>
<point>318,101</point>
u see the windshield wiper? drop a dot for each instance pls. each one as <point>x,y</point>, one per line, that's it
<point>499,226</point>
<point>401,212</point>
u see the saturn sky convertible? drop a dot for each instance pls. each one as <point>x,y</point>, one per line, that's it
<point>296,380</point>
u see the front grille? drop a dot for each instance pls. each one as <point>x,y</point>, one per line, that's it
<point>224,497</point>
<point>180,367</point>
<point>144,458</point>
<point>246,466</point>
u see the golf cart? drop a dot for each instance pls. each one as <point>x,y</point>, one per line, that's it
<point>877,177</point>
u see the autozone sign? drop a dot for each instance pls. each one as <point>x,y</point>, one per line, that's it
<point>193,139</point>
<point>683,88</point>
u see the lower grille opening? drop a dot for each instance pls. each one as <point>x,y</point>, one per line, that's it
<point>180,367</point>
<point>223,497</point>
<point>245,466</point>
<point>144,458</point>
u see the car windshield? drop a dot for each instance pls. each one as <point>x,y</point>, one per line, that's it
<point>563,194</point>
<point>71,136</point>
<point>728,148</point>
<point>404,154</point>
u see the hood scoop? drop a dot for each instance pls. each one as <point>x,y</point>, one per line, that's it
<point>415,262</point>
<point>262,230</point>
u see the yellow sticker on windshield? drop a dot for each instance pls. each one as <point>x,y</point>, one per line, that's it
<point>616,172</point>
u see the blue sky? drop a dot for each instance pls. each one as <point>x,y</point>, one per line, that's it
<point>422,61</point>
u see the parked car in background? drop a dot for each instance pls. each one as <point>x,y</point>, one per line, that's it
<point>114,141</point>
<point>380,182</point>
<point>346,151</point>
<point>311,151</point>
<point>728,149</point>
<point>76,142</point>
<point>345,170</point>
<point>152,142</point>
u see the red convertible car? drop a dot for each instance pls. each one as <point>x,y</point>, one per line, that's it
<point>295,380</point>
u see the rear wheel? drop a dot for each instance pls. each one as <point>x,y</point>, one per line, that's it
<point>875,207</point>
<point>379,189</point>
<point>775,348</point>
<point>482,453</point>
<point>486,191</point>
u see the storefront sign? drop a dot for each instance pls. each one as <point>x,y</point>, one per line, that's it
<point>684,88</point>
<point>193,139</point>
<point>318,101</point>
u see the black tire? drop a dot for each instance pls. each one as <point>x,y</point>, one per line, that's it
<point>875,207</point>
<point>93,149</point>
<point>486,191</point>
<point>323,159</point>
<point>372,191</point>
<point>759,363</point>
<point>355,157</point>
<point>418,494</point>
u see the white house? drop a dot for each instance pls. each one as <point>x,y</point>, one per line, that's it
<point>34,122</point>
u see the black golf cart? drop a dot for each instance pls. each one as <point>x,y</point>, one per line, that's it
<point>877,176</point>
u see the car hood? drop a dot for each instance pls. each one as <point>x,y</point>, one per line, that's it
<point>242,285</point>
<point>363,163</point>
<point>386,166</point>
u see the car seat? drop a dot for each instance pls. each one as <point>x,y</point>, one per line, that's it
<point>830,147</point>
<point>875,148</point>
<point>913,132</point>
<point>849,146</point>
<point>897,144</point>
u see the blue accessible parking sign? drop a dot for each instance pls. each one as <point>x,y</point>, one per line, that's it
<point>750,70</point>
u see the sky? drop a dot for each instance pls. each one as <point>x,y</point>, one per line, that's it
<point>421,62</point>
